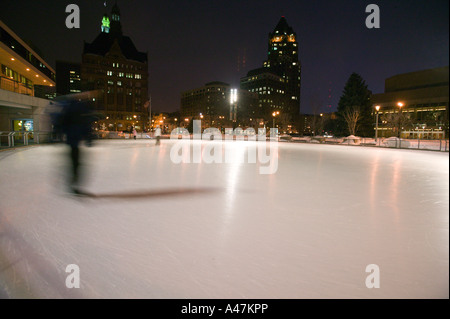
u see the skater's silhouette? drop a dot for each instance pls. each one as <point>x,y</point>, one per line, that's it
<point>76,124</point>
<point>158,135</point>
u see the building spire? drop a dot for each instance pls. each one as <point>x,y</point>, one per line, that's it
<point>116,26</point>
<point>283,27</point>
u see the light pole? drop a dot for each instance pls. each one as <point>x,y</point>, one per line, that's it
<point>321,124</point>
<point>201,119</point>
<point>377,109</point>
<point>274,114</point>
<point>233,100</point>
<point>148,104</point>
<point>400,105</point>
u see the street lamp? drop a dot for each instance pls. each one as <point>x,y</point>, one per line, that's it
<point>377,108</point>
<point>233,100</point>
<point>400,105</point>
<point>274,114</point>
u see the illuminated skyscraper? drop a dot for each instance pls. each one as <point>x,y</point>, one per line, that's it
<point>278,81</point>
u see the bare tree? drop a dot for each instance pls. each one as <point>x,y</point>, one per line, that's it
<point>397,121</point>
<point>284,120</point>
<point>351,116</point>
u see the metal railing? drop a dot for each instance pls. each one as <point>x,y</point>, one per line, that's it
<point>10,139</point>
<point>441,145</point>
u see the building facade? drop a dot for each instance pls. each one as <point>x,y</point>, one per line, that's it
<point>112,65</point>
<point>22,70</point>
<point>68,79</point>
<point>278,82</point>
<point>213,105</point>
<point>414,105</point>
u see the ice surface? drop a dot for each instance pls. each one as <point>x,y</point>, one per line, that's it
<point>161,230</point>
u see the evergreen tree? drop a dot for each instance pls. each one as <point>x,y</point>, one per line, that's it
<point>356,96</point>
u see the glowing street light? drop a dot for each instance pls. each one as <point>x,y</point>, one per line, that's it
<point>400,105</point>
<point>377,108</point>
<point>274,114</point>
<point>233,100</point>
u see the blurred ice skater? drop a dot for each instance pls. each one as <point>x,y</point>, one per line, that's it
<point>158,135</point>
<point>134,133</point>
<point>76,124</point>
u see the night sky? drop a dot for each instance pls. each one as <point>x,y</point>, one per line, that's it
<point>190,43</point>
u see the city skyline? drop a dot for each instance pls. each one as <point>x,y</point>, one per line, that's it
<point>290,150</point>
<point>192,43</point>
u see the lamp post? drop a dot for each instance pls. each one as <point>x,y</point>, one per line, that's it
<point>377,109</point>
<point>400,105</point>
<point>148,104</point>
<point>321,124</point>
<point>233,107</point>
<point>274,114</point>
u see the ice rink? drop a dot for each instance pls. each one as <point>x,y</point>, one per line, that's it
<point>155,229</point>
